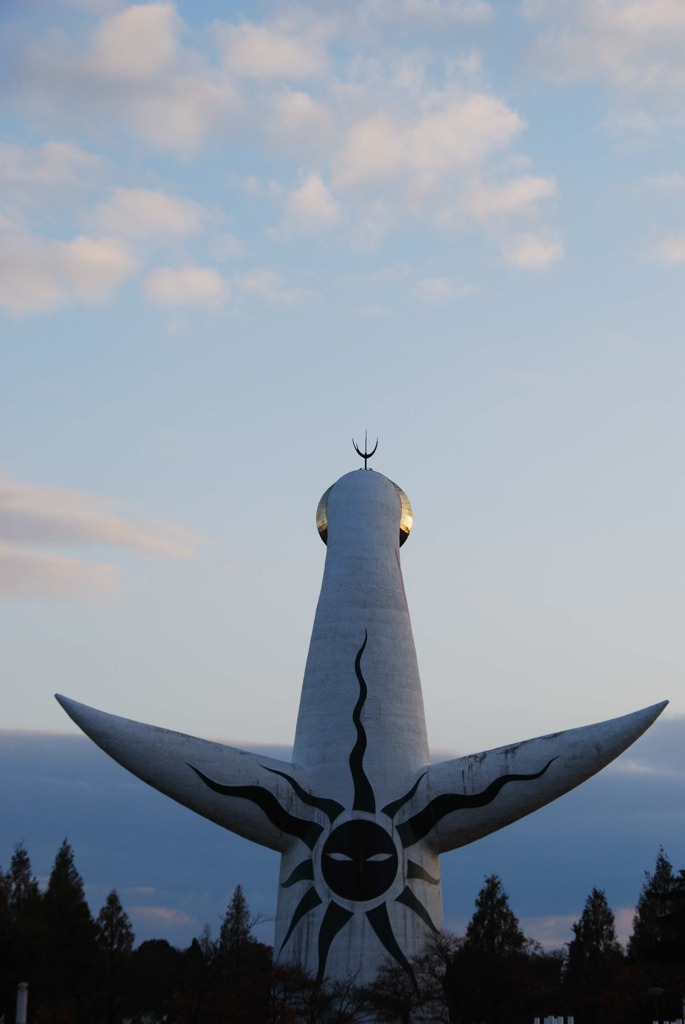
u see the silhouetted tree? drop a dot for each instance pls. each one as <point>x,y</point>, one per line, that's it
<point>493,931</point>
<point>155,970</point>
<point>594,933</point>
<point>399,998</point>
<point>21,933</point>
<point>234,935</point>
<point>22,890</point>
<point>594,957</point>
<point>70,951</point>
<point>487,968</point>
<point>654,907</point>
<point>115,938</point>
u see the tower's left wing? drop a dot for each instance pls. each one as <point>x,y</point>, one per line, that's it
<point>260,798</point>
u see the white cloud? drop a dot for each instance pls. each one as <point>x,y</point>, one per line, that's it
<point>226,247</point>
<point>551,931</point>
<point>670,250</point>
<point>431,13</point>
<point>435,290</point>
<point>52,163</point>
<point>134,73</point>
<point>423,150</point>
<point>267,285</point>
<point>51,515</point>
<point>161,915</point>
<point>33,518</point>
<point>181,114</point>
<point>274,51</point>
<point>531,251</point>
<point>311,208</point>
<point>373,153</point>
<point>26,574</point>
<point>674,182</point>
<point>138,43</point>
<point>518,196</point>
<point>375,136</point>
<point>38,276</point>
<point>186,286</point>
<point>464,130</point>
<point>144,213</point>
<point>398,272</point>
<point>635,46</point>
<point>299,121</point>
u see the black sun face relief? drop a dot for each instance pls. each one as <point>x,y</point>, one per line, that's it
<point>359,859</point>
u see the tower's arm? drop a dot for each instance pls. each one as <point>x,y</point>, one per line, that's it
<point>257,797</point>
<point>462,800</point>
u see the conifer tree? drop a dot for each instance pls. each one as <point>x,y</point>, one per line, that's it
<point>487,968</point>
<point>594,958</point>
<point>494,931</point>
<point>70,951</point>
<point>235,927</point>
<point>20,926</point>
<point>594,933</point>
<point>113,926</point>
<point>115,940</point>
<point>22,891</point>
<point>653,911</point>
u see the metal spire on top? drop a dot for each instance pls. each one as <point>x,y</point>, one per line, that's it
<point>365,455</point>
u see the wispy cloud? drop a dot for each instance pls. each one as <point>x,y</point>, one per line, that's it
<point>552,932</point>
<point>267,285</point>
<point>28,574</point>
<point>438,290</point>
<point>275,51</point>
<point>186,286</point>
<point>28,172</point>
<point>634,46</point>
<point>363,137</point>
<point>532,250</point>
<point>33,518</point>
<point>163,916</point>
<point>145,213</point>
<point>670,250</point>
<point>135,70</point>
<point>38,275</point>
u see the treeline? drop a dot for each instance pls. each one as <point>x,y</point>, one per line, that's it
<point>85,970</point>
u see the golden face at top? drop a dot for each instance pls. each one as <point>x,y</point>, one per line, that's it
<point>406,517</point>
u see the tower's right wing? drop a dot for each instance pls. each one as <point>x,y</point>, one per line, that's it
<point>459,801</point>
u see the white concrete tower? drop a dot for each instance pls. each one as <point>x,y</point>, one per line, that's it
<point>360,817</point>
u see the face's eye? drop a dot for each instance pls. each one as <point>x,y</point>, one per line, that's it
<point>359,861</point>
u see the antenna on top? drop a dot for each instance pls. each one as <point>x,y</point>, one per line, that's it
<point>365,455</point>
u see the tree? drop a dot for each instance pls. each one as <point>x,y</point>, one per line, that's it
<point>235,927</point>
<point>655,905</point>
<point>399,999</point>
<point>22,891</point>
<point>115,939</point>
<point>69,950</point>
<point>155,966</point>
<point>114,932</point>
<point>594,957</point>
<point>20,927</point>
<point>487,976</point>
<point>594,933</point>
<point>493,932</point>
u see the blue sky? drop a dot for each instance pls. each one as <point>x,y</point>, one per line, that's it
<point>230,241</point>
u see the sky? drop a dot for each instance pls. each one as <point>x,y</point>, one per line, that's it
<point>231,240</point>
